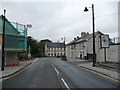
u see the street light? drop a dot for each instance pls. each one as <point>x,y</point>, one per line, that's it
<point>94,61</point>
<point>3,42</point>
<point>64,45</point>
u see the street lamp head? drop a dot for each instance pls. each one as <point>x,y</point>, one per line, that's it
<point>86,9</point>
<point>4,12</point>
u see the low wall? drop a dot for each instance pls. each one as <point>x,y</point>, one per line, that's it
<point>112,54</point>
<point>11,58</point>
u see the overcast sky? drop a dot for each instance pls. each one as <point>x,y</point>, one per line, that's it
<point>54,20</point>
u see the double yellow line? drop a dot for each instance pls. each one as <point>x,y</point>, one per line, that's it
<point>14,74</point>
<point>113,79</point>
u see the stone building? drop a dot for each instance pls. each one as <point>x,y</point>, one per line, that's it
<point>82,47</point>
<point>54,49</point>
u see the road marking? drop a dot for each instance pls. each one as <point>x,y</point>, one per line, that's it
<point>56,70</point>
<point>15,74</point>
<point>53,65</point>
<point>101,74</point>
<point>65,84</point>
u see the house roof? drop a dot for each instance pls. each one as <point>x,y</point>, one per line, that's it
<point>82,39</point>
<point>9,27</point>
<point>55,45</point>
<point>73,41</point>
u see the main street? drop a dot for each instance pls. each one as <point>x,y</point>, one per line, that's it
<point>55,73</point>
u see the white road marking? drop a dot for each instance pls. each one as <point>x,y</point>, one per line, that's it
<point>53,65</point>
<point>56,70</point>
<point>61,78</point>
<point>65,84</point>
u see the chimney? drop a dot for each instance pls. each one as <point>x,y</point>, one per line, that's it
<point>84,34</point>
<point>77,37</point>
<point>74,38</point>
<point>87,33</point>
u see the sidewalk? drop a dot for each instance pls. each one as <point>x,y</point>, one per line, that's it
<point>109,72</point>
<point>9,70</point>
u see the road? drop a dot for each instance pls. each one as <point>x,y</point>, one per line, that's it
<point>55,73</point>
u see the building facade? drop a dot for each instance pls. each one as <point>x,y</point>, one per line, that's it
<point>54,49</point>
<point>82,47</point>
<point>15,41</point>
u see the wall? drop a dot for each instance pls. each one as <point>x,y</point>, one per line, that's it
<point>11,58</point>
<point>112,54</point>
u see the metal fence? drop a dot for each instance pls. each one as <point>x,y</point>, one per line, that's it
<point>115,40</point>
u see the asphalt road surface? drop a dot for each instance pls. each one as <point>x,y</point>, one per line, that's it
<point>55,73</point>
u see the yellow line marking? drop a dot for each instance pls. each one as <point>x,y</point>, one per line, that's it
<point>14,74</point>
<point>101,74</point>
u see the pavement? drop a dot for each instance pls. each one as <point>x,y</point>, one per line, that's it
<point>10,70</point>
<point>108,69</point>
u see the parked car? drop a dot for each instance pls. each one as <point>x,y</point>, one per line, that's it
<point>58,56</point>
<point>63,58</point>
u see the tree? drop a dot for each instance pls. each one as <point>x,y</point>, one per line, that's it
<point>42,46</point>
<point>34,46</point>
<point>37,47</point>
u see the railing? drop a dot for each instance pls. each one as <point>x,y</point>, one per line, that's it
<point>115,41</point>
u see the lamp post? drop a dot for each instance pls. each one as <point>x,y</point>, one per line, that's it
<point>93,19</point>
<point>3,42</point>
<point>64,47</point>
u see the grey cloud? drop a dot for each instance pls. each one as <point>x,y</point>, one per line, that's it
<point>54,20</point>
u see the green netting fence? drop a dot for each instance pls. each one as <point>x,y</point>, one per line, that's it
<point>15,36</point>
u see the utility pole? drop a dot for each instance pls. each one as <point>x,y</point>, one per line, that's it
<point>3,42</point>
<point>93,19</point>
<point>64,47</point>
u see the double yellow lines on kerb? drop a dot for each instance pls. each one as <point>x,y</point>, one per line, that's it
<point>14,74</point>
<point>116,80</point>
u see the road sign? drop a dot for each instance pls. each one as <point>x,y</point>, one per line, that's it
<point>104,41</point>
<point>29,26</point>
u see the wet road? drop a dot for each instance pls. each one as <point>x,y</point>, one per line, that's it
<point>55,73</point>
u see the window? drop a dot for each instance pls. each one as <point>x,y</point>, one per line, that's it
<point>51,54</point>
<point>53,48</point>
<point>59,48</point>
<point>56,49</point>
<point>48,54</point>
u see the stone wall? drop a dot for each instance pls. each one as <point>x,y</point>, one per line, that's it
<point>112,54</point>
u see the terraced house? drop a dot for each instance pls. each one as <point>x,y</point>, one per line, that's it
<point>82,47</point>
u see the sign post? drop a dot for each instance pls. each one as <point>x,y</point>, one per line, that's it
<point>105,43</point>
<point>29,53</point>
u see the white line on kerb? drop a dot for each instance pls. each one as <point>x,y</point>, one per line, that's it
<point>65,84</point>
<point>56,70</point>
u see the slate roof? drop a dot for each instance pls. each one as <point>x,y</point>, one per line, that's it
<point>55,45</point>
<point>82,39</point>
